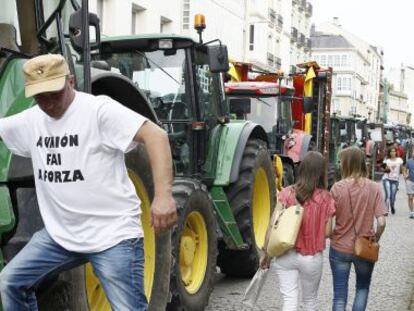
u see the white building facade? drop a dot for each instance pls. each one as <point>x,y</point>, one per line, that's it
<point>356,66</point>
<point>271,34</point>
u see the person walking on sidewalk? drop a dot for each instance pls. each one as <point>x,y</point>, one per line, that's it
<point>88,204</point>
<point>409,179</point>
<point>304,263</point>
<point>358,202</point>
<point>394,165</point>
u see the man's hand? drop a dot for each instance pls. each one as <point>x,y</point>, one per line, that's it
<point>163,213</point>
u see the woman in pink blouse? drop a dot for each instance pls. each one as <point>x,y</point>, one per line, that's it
<point>304,263</point>
<point>359,204</point>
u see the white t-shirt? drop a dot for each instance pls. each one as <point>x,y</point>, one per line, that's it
<point>86,199</point>
<point>395,168</point>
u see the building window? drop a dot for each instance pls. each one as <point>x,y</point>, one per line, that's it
<point>337,61</point>
<point>344,61</point>
<point>186,14</point>
<point>323,60</point>
<point>137,12</point>
<point>251,38</point>
<point>100,9</point>
<point>339,83</point>
<point>330,60</point>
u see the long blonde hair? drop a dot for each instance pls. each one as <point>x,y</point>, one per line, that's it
<point>353,163</point>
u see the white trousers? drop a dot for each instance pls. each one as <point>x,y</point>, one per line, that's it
<point>292,268</point>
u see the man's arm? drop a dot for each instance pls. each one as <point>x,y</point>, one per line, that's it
<point>163,209</point>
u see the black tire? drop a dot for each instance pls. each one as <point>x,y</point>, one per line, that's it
<point>192,198</point>
<point>240,195</point>
<point>288,175</point>
<point>332,174</point>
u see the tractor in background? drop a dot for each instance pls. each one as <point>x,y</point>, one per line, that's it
<point>298,104</point>
<point>376,149</point>
<point>313,87</point>
<point>269,104</point>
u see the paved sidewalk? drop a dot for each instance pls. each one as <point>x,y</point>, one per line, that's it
<point>392,284</point>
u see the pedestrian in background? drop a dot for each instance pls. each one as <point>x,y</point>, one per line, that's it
<point>394,165</point>
<point>409,178</point>
<point>399,149</point>
<point>358,201</point>
<point>304,262</point>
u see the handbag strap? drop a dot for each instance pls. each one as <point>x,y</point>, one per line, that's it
<point>352,213</point>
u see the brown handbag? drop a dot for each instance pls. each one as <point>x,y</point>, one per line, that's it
<point>365,247</point>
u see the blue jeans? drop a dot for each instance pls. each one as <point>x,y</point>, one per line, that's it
<point>120,270</point>
<point>391,188</point>
<point>341,265</point>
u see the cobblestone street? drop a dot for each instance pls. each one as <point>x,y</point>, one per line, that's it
<point>392,284</point>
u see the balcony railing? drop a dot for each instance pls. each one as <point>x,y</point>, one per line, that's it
<point>280,21</point>
<point>309,10</point>
<point>270,58</point>
<point>272,15</point>
<point>278,62</point>
<point>302,5</point>
<point>293,34</point>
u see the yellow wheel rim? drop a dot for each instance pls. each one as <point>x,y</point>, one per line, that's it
<point>261,206</point>
<point>96,296</point>
<point>193,252</point>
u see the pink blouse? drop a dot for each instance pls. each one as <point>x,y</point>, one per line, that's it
<point>317,211</point>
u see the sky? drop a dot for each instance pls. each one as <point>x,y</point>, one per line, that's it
<point>384,23</point>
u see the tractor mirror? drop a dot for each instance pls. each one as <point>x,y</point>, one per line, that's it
<point>218,58</point>
<point>75,31</point>
<point>307,104</point>
<point>240,106</point>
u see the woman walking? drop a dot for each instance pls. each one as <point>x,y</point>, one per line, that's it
<point>304,263</point>
<point>358,202</point>
<point>391,178</point>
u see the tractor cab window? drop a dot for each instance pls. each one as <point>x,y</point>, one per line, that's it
<point>285,115</point>
<point>161,76</point>
<point>263,111</point>
<point>376,134</point>
<point>208,95</point>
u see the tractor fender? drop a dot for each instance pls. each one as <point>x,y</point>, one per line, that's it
<point>251,130</point>
<point>124,91</point>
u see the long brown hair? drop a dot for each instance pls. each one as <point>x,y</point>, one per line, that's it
<point>353,163</point>
<point>311,175</point>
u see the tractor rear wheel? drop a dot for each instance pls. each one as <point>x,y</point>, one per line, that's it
<point>157,249</point>
<point>194,247</point>
<point>252,199</point>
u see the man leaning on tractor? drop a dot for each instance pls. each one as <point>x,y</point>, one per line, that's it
<point>88,204</point>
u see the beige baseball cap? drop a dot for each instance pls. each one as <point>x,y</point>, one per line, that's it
<point>45,73</point>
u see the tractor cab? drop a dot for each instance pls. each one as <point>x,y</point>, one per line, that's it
<point>165,69</point>
<point>265,103</point>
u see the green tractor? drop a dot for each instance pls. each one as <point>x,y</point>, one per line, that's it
<point>343,134</point>
<point>224,185</point>
<point>224,182</point>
